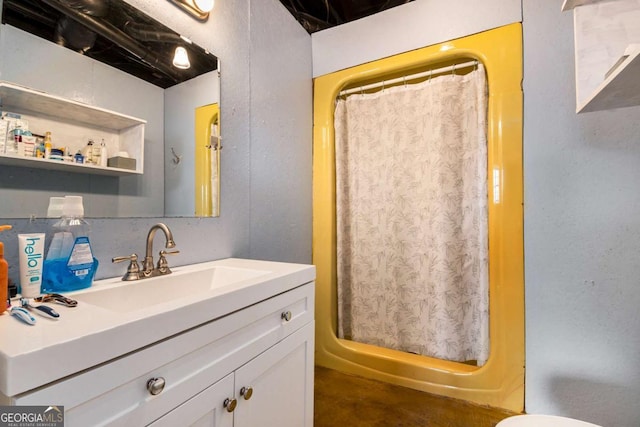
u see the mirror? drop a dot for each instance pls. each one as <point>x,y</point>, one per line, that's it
<point>192,173</point>
<point>180,107</point>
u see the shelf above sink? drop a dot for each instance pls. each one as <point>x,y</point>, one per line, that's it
<point>72,123</point>
<point>26,99</point>
<point>32,162</point>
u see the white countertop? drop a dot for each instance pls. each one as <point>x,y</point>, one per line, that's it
<point>87,335</point>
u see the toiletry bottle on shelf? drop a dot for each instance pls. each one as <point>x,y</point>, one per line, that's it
<point>68,155</point>
<point>17,139</point>
<point>88,152</point>
<point>103,154</point>
<point>39,147</point>
<point>96,154</point>
<point>4,275</point>
<point>47,145</point>
<point>69,264</point>
<point>78,158</point>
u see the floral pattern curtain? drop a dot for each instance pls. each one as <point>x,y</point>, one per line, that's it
<point>412,238</point>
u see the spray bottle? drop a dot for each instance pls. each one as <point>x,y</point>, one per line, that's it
<point>69,264</point>
<point>4,275</point>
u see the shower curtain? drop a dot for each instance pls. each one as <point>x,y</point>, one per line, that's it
<point>412,244</point>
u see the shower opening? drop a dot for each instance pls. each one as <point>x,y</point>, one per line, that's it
<point>411,214</point>
<point>500,381</point>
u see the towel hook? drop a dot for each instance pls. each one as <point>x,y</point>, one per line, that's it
<point>176,159</point>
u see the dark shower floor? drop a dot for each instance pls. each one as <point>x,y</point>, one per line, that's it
<point>351,401</point>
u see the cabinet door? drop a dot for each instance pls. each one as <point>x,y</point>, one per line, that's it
<point>281,383</point>
<point>204,409</point>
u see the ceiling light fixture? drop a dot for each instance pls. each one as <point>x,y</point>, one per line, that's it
<point>199,9</point>
<point>181,58</point>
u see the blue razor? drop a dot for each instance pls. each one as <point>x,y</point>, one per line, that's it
<point>43,310</point>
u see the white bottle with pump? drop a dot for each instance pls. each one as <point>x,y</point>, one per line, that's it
<point>69,264</point>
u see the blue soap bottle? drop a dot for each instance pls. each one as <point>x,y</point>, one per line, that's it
<point>69,264</point>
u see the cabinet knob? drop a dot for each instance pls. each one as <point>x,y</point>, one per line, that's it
<point>286,316</point>
<point>230,404</point>
<point>246,392</point>
<point>155,385</point>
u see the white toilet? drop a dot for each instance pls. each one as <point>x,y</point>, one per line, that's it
<point>542,421</point>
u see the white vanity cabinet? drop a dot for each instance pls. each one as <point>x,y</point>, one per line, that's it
<point>277,391</point>
<point>203,409</point>
<point>257,360</point>
<point>281,384</point>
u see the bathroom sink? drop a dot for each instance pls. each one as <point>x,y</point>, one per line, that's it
<point>140,294</point>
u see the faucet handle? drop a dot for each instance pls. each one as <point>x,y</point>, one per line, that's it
<point>133,271</point>
<point>163,265</point>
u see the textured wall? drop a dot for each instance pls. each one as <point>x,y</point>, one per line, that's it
<point>281,129</point>
<point>582,237</point>
<point>228,34</point>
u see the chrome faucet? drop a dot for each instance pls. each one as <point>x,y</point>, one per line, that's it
<point>163,267</point>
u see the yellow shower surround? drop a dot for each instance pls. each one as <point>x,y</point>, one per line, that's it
<point>500,382</point>
<point>206,116</point>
